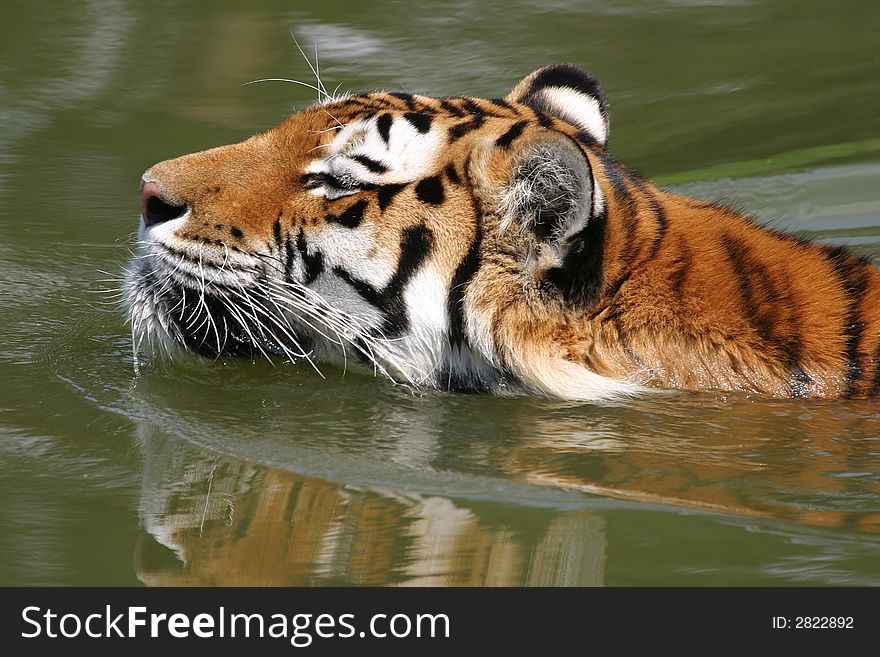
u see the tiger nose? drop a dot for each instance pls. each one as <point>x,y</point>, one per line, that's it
<point>155,209</point>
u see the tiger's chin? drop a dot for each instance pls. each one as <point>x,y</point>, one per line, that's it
<point>234,341</point>
<point>171,320</point>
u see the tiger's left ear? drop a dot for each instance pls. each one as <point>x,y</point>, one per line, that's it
<point>569,93</point>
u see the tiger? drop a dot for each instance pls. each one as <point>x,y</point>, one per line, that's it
<point>468,244</point>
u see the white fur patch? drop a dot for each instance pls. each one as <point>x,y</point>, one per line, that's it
<point>561,378</point>
<point>342,296</point>
<point>598,199</point>
<point>576,108</point>
<point>407,155</point>
<point>425,301</point>
<point>350,249</point>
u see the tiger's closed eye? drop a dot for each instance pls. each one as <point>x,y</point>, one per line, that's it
<point>336,186</point>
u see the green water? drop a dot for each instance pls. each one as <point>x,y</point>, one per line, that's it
<point>241,473</point>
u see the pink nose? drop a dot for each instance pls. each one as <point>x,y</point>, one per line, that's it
<point>154,208</point>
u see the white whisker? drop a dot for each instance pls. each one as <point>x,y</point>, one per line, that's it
<point>304,84</point>
<point>318,73</point>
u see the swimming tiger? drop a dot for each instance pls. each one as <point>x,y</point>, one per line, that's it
<point>471,244</point>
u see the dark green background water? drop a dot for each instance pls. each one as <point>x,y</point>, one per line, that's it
<point>241,473</point>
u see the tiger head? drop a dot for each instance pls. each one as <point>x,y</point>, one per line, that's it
<point>428,238</point>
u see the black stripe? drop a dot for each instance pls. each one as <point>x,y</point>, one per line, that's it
<point>459,130</point>
<point>759,297</point>
<point>480,106</point>
<point>430,190</point>
<point>503,104</point>
<point>746,272</point>
<point>622,182</point>
<point>405,97</point>
<point>465,271</point>
<point>366,113</point>
<point>581,275</point>
<point>450,108</point>
<point>470,106</point>
<point>387,194</point>
<point>313,264</point>
<point>371,164</point>
<point>276,231</point>
<point>586,138</point>
<point>616,176</point>
<point>853,275</point>
<point>631,245</point>
<point>415,245</point>
<point>420,121</point>
<point>686,262</point>
<point>505,140</point>
<point>384,126</point>
<point>448,377</point>
<point>301,243</point>
<point>662,222</point>
<point>875,385</point>
<point>352,217</point>
<point>414,249</point>
<point>452,174</point>
<point>345,102</point>
<point>544,120</point>
<point>369,294</point>
<point>763,302</point>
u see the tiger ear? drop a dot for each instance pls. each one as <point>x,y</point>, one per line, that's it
<point>569,93</point>
<point>541,190</point>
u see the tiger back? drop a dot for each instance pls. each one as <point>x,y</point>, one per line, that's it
<point>472,244</point>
